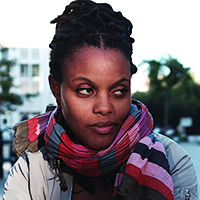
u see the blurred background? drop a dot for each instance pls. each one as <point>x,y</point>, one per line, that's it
<point>166,51</point>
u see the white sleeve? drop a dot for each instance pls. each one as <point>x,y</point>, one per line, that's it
<point>182,171</point>
<point>17,184</point>
<point>184,176</point>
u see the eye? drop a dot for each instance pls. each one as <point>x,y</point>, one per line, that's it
<point>120,92</point>
<point>85,91</point>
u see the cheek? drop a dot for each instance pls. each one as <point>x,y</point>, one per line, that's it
<point>123,109</point>
<point>124,104</point>
<point>66,106</point>
<point>72,110</point>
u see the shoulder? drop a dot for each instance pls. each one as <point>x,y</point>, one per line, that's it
<point>181,168</point>
<point>36,178</point>
<point>41,170</point>
<point>24,163</point>
<point>173,150</point>
<point>38,158</point>
<point>20,175</point>
<point>175,153</point>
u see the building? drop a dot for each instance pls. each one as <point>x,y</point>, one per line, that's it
<point>31,77</point>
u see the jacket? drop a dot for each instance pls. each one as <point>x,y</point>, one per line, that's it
<point>33,178</point>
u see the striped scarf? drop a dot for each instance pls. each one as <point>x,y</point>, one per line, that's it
<point>146,172</point>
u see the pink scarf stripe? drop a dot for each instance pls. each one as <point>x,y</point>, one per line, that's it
<point>50,125</point>
<point>148,169</point>
<point>130,122</point>
<point>149,181</point>
<point>157,145</point>
<point>118,181</point>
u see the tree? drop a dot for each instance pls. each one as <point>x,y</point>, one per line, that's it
<point>167,78</point>
<point>7,99</point>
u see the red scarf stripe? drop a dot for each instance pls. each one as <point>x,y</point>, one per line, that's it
<point>130,121</point>
<point>149,181</point>
<point>37,125</point>
<point>121,148</point>
<point>32,126</point>
<point>115,191</point>
<point>71,157</point>
<point>78,164</point>
<point>65,147</point>
<point>148,117</point>
<point>68,148</point>
<point>150,169</point>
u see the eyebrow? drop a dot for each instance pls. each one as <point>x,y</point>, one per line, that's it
<point>80,78</point>
<point>120,81</point>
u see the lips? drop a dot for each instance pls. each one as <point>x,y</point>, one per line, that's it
<point>103,128</point>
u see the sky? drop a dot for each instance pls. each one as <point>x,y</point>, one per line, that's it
<point>159,27</point>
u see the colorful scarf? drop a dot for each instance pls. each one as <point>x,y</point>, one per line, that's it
<point>146,171</point>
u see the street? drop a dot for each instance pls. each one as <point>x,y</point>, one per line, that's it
<point>194,151</point>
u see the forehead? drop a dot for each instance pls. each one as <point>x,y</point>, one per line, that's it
<point>93,60</point>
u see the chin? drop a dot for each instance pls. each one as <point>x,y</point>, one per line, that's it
<point>100,146</point>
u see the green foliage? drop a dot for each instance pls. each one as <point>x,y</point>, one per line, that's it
<point>172,94</point>
<point>8,99</point>
<point>154,104</point>
<point>166,75</point>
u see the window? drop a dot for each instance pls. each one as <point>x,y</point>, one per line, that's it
<point>5,121</point>
<point>35,87</point>
<point>35,70</point>
<point>24,53</point>
<point>24,87</point>
<point>24,70</point>
<point>35,54</point>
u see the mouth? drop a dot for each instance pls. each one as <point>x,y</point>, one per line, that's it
<point>103,128</point>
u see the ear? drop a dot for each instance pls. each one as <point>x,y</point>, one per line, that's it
<point>55,89</point>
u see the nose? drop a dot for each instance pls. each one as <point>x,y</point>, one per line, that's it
<point>103,105</point>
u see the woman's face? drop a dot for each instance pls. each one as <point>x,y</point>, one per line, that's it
<point>95,95</point>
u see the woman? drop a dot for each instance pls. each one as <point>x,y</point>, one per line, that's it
<point>97,143</point>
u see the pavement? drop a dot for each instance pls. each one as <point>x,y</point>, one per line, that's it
<point>192,147</point>
<point>6,167</point>
<point>193,150</point>
<point>1,188</point>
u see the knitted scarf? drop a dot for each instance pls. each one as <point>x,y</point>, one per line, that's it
<point>146,172</point>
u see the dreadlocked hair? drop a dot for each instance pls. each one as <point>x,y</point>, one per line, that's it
<point>86,23</point>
